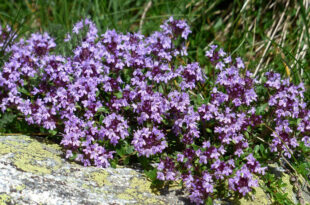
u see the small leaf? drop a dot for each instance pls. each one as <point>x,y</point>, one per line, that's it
<point>256,148</point>
<point>113,164</point>
<point>101,118</point>
<point>52,132</point>
<point>103,109</point>
<point>209,201</point>
<point>129,149</point>
<point>73,157</point>
<point>120,152</point>
<point>152,174</point>
<point>262,109</point>
<point>24,91</point>
<point>118,95</point>
<point>208,130</point>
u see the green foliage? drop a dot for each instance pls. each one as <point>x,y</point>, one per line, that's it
<point>6,119</point>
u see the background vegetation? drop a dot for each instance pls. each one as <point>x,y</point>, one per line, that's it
<point>269,35</point>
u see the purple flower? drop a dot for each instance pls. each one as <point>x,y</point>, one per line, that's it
<point>306,140</point>
<point>175,28</point>
<point>243,181</point>
<point>166,170</point>
<point>115,128</point>
<point>149,142</point>
<point>191,74</point>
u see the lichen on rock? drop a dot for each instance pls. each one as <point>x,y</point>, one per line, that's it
<point>34,171</point>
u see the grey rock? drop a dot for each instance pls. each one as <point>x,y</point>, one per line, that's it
<point>34,171</point>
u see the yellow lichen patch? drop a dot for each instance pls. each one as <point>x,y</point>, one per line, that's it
<point>4,199</point>
<point>259,198</point>
<point>137,194</point>
<point>175,185</point>
<point>93,189</point>
<point>140,190</point>
<point>85,186</point>
<point>4,149</point>
<point>289,189</point>
<point>141,185</point>
<point>101,178</point>
<point>53,145</point>
<point>34,158</point>
<point>30,155</point>
<point>10,146</point>
<point>152,201</point>
<point>125,196</point>
<point>133,172</point>
<point>25,163</point>
<point>20,187</point>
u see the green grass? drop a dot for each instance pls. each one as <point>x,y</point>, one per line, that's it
<point>268,35</point>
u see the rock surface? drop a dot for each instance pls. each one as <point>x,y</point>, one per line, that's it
<point>35,171</point>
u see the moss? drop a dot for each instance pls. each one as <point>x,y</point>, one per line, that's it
<point>4,199</point>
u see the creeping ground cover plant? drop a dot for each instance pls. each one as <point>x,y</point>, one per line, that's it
<point>125,98</point>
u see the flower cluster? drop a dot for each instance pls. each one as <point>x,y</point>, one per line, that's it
<point>117,87</point>
<point>287,104</point>
<point>243,181</point>
<point>149,142</point>
<point>116,128</point>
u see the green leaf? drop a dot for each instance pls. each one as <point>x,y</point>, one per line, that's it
<point>118,95</point>
<point>73,156</point>
<point>121,152</point>
<point>209,201</point>
<point>129,149</point>
<point>256,148</point>
<point>262,150</point>
<point>101,118</point>
<point>113,164</point>
<point>208,130</point>
<point>52,132</point>
<point>24,91</point>
<point>152,174</point>
<point>262,109</point>
<point>103,109</point>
